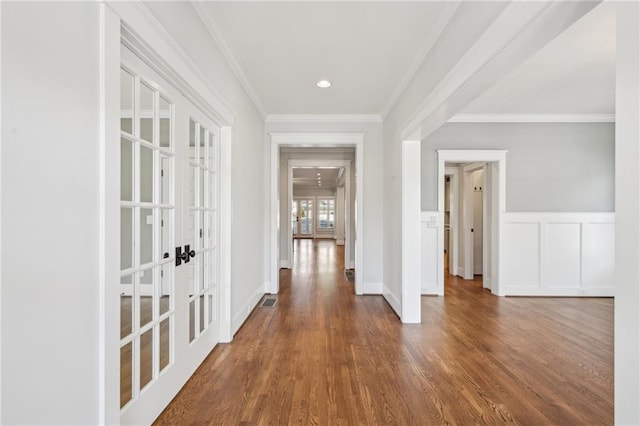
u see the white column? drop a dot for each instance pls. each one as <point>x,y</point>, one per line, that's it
<point>411,302</point>
<point>627,293</point>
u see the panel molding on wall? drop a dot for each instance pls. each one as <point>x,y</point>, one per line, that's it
<point>559,254</point>
<point>429,246</point>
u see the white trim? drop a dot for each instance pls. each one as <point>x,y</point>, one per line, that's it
<point>454,226</point>
<point>410,290</point>
<point>323,118</point>
<point>519,31</point>
<point>392,300</point>
<point>243,314</point>
<point>109,217</point>
<point>227,52</point>
<point>152,43</point>
<point>372,288</point>
<point>498,208</point>
<point>533,118</point>
<point>307,140</point>
<point>226,222</point>
<point>442,20</point>
<point>467,219</point>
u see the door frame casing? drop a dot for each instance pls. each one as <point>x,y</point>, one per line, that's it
<point>498,158</point>
<point>454,192</point>
<point>321,140</point>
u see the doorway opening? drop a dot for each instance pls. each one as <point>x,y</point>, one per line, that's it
<point>471,193</point>
<point>464,204</point>
<point>281,240</point>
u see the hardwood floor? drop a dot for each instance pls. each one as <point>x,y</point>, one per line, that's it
<point>325,356</point>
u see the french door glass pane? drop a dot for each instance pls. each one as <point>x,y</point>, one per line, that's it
<point>126,170</point>
<point>165,123</point>
<point>146,174</point>
<point>166,175</point>
<point>126,238</point>
<point>146,236</point>
<point>126,101</point>
<point>146,296</point>
<point>146,112</point>
<point>211,152</point>
<point>126,374</point>
<point>192,320</point>
<point>165,339</point>
<point>203,142</point>
<point>146,358</point>
<point>126,306</point>
<point>165,289</point>
<point>192,140</point>
<point>166,225</point>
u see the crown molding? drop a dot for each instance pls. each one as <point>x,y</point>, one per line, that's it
<point>323,118</point>
<point>227,52</point>
<point>533,118</point>
<point>442,20</point>
<point>212,102</point>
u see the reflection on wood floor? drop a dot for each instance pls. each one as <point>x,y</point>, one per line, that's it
<point>326,356</point>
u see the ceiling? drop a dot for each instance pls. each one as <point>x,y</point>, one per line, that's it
<point>368,49</point>
<point>311,177</point>
<point>363,48</point>
<point>573,74</point>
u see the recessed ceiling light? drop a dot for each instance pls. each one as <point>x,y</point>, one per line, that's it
<point>323,84</point>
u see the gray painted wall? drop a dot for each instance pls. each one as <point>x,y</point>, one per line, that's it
<point>556,167</point>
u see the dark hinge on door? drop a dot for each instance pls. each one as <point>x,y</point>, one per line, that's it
<point>161,222</point>
<point>200,232</point>
<point>161,172</point>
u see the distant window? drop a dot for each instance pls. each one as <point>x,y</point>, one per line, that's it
<point>326,213</point>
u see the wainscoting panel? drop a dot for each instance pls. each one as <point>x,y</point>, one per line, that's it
<point>522,254</point>
<point>429,247</point>
<point>558,254</point>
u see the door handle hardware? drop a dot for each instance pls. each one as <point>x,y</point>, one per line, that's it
<point>189,252</point>
<point>178,256</point>
<point>181,257</point>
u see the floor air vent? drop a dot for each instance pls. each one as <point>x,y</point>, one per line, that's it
<point>349,274</point>
<point>269,302</point>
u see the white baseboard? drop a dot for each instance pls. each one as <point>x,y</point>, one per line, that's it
<point>429,291</point>
<point>351,265</point>
<point>559,292</point>
<point>339,242</point>
<point>242,316</point>
<point>372,288</point>
<point>284,264</point>
<point>392,300</point>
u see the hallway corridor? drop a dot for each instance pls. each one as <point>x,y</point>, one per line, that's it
<point>324,356</point>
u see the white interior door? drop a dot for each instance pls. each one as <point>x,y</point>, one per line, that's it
<point>169,241</point>
<point>304,208</point>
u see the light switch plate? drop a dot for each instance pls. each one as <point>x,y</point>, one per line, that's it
<point>150,219</point>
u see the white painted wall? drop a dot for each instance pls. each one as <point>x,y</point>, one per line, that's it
<point>627,237</point>
<point>575,159</point>
<point>50,213</point>
<point>372,209</point>
<point>248,273</point>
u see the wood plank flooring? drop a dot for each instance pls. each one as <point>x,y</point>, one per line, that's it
<point>324,356</point>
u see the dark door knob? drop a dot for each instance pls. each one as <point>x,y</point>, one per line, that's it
<point>189,252</point>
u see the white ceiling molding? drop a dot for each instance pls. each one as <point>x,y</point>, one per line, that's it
<point>518,32</point>
<point>204,95</point>
<point>226,50</point>
<point>323,118</point>
<point>441,22</point>
<point>533,118</point>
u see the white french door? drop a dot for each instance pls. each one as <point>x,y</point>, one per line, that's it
<point>169,264</point>
<point>302,219</point>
